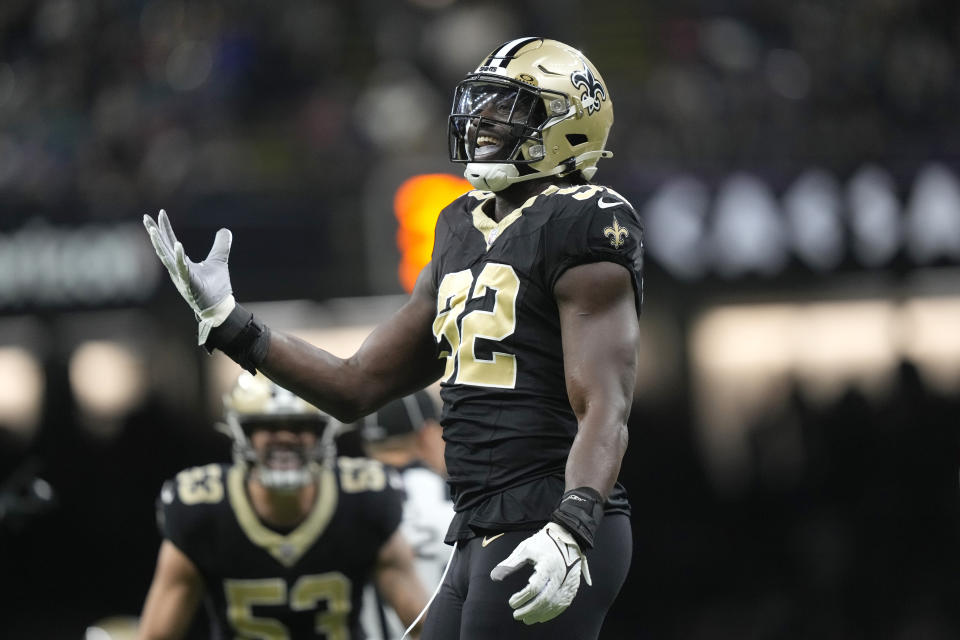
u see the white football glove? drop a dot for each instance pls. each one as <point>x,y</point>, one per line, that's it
<point>204,285</point>
<point>557,564</point>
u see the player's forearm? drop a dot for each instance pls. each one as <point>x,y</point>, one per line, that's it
<point>173,597</point>
<point>592,468</point>
<point>168,612</point>
<point>396,359</point>
<point>332,384</point>
<point>598,449</point>
<point>600,387</point>
<point>347,388</point>
<point>155,632</point>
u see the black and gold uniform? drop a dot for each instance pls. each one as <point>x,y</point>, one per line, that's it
<point>507,419</point>
<point>264,583</point>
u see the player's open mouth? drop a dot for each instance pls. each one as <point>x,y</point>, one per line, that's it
<point>284,458</point>
<point>487,145</point>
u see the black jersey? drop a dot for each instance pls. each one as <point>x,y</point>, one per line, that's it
<point>507,419</point>
<point>305,583</point>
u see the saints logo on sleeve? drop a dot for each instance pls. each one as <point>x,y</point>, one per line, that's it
<point>616,233</point>
<point>598,224</point>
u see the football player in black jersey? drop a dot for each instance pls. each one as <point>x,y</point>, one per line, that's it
<point>283,542</point>
<point>528,315</point>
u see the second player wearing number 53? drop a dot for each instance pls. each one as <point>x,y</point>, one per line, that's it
<point>282,543</point>
<point>528,316</point>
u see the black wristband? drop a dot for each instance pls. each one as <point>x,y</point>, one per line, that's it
<point>242,337</point>
<point>580,511</point>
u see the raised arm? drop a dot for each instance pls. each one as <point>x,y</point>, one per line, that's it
<point>398,358</point>
<point>174,594</point>
<point>397,580</point>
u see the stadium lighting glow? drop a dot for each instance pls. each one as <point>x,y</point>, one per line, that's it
<point>933,216</point>
<point>108,380</point>
<point>745,358</point>
<point>416,204</point>
<point>50,266</point>
<point>929,336</point>
<point>741,227</point>
<point>828,342</point>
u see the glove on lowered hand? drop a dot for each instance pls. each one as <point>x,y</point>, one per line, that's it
<point>557,564</point>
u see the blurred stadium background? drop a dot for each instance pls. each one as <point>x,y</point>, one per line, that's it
<point>793,457</point>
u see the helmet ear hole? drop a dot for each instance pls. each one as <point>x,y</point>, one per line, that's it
<point>576,138</point>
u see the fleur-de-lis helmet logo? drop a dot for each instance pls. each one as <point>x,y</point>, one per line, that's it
<point>616,233</point>
<point>589,87</point>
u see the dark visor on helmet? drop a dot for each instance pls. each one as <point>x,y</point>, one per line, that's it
<point>492,118</point>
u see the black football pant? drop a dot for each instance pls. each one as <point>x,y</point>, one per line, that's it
<point>471,606</point>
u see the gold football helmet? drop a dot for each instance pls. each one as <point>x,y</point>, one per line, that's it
<point>256,403</point>
<point>533,108</point>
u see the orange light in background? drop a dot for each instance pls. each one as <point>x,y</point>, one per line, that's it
<point>416,204</point>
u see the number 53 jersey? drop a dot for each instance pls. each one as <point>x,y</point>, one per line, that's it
<point>507,420</point>
<point>263,583</point>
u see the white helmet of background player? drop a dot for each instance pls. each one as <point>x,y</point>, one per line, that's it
<point>256,403</point>
<point>533,108</point>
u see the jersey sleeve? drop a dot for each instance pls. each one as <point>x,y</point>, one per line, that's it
<point>371,498</point>
<point>181,523</point>
<point>440,232</point>
<point>386,506</point>
<point>441,239</point>
<point>601,228</point>
<point>449,230</point>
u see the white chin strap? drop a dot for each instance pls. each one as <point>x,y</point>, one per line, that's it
<point>490,176</point>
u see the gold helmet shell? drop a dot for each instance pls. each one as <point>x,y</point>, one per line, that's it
<point>536,104</point>
<point>256,399</point>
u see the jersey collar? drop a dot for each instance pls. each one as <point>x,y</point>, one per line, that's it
<point>492,230</point>
<point>286,549</point>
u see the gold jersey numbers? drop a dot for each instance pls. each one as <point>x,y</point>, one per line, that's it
<point>200,485</point>
<point>455,290</point>
<point>307,593</point>
<point>361,474</point>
